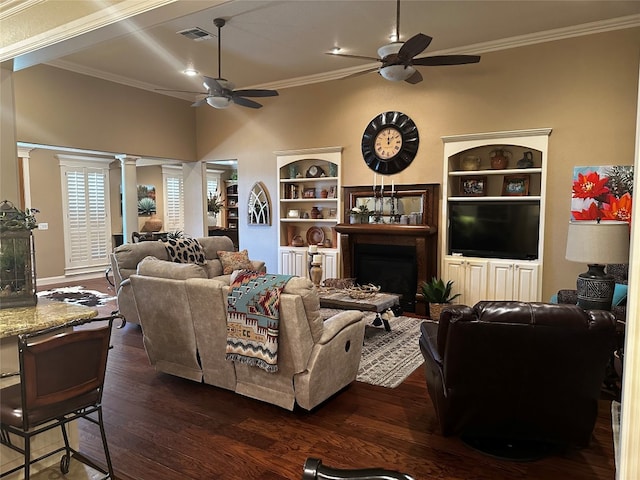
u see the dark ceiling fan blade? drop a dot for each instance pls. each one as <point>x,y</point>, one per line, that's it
<point>179,91</point>
<point>245,102</point>
<point>357,74</point>
<point>359,57</point>
<point>213,85</point>
<point>415,78</point>
<point>412,47</point>
<point>202,101</point>
<point>446,60</point>
<point>256,93</point>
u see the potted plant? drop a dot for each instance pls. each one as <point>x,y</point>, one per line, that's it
<point>438,294</point>
<point>214,203</point>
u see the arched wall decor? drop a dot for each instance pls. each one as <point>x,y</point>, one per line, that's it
<point>259,205</point>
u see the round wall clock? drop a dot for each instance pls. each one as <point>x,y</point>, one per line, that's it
<point>390,142</point>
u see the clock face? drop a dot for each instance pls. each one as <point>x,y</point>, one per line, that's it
<point>390,143</point>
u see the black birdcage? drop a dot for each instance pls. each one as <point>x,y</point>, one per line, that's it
<point>17,259</point>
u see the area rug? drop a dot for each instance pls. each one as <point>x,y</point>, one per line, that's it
<point>77,296</point>
<point>388,358</point>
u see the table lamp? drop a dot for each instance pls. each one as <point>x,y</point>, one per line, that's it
<point>597,244</point>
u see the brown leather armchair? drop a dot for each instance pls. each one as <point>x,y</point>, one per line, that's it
<point>509,374</point>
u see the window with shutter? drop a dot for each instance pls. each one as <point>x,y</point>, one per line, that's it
<point>86,220</point>
<point>173,198</point>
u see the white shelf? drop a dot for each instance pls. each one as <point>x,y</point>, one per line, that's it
<point>308,220</point>
<point>309,180</point>
<point>504,198</point>
<point>303,200</point>
<point>508,171</point>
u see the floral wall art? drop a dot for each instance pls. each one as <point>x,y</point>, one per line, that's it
<point>604,193</point>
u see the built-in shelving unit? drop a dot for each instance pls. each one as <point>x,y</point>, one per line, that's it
<point>490,276</point>
<point>231,204</point>
<point>309,207</point>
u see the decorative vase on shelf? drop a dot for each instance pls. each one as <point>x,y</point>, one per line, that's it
<point>500,158</point>
<point>212,219</point>
<point>526,161</point>
<point>470,162</point>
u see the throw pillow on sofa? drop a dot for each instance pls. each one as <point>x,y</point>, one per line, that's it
<point>185,250</point>
<point>234,261</point>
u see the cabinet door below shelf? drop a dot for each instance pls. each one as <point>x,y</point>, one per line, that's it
<point>293,262</point>
<point>512,280</point>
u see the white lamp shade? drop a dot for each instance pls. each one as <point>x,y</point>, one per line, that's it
<point>397,73</point>
<point>219,102</point>
<point>598,243</point>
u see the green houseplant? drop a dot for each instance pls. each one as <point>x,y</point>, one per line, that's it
<point>438,294</point>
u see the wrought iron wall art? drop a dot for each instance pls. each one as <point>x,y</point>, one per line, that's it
<point>259,205</point>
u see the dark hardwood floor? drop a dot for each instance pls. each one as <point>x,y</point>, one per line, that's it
<point>163,427</point>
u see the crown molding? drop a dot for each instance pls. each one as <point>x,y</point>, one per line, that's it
<point>592,28</point>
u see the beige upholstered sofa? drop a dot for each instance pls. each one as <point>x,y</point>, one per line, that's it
<point>125,260</point>
<point>184,331</point>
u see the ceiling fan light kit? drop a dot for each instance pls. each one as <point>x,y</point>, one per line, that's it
<point>396,73</point>
<point>218,102</point>
<point>397,57</point>
<point>220,92</point>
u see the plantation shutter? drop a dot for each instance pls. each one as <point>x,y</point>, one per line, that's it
<point>212,186</point>
<point>86,219</point>
<point>174,199</point>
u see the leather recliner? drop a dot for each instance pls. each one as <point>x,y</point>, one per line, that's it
<point>518,371</point>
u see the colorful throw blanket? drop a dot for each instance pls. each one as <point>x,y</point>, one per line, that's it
<point>253,314</point>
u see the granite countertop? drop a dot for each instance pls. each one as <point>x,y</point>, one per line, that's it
<point>14,321</point>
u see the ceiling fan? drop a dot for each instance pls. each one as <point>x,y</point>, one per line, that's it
<point>220,92</point>
<point>397,58</point>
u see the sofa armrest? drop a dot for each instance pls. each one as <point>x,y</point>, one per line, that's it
<point>333,325</point>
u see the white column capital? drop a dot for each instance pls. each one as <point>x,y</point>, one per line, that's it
<point>127,159</point>
<point>24,152</point>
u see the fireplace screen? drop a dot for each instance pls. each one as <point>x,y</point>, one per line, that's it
<point>392,267</point>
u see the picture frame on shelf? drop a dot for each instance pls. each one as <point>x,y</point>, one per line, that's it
<point>515,185</point>
<point>473,186</point>
<point>309,193</point>
<point>293,213</point>
<point>332,192</point>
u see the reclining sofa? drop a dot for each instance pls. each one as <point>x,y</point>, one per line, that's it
<point>125,260</point>
<point>184,326</point>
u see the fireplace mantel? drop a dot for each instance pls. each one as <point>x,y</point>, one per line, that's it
<point>386,229</point>
<point>422,237</point>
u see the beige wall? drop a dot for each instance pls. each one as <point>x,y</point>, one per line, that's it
<point>57,107</point>
<point>585,89</point>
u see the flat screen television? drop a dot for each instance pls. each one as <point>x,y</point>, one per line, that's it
<point>500,229</point>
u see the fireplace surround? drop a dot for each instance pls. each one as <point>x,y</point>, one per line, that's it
<point>396,257</point>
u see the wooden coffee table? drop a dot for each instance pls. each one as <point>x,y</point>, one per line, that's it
<point>378,303</point>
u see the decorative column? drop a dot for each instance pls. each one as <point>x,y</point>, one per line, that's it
<point>129,183</point>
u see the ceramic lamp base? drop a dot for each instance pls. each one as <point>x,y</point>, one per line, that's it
<point>595,289</point>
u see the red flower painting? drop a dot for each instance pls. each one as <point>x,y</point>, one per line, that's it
<point>604,193</point>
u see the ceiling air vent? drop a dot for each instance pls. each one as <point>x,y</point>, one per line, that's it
<point>196,34</point>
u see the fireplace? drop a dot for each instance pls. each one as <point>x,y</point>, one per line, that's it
<point>392,267</point>
<point>380,254</point>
